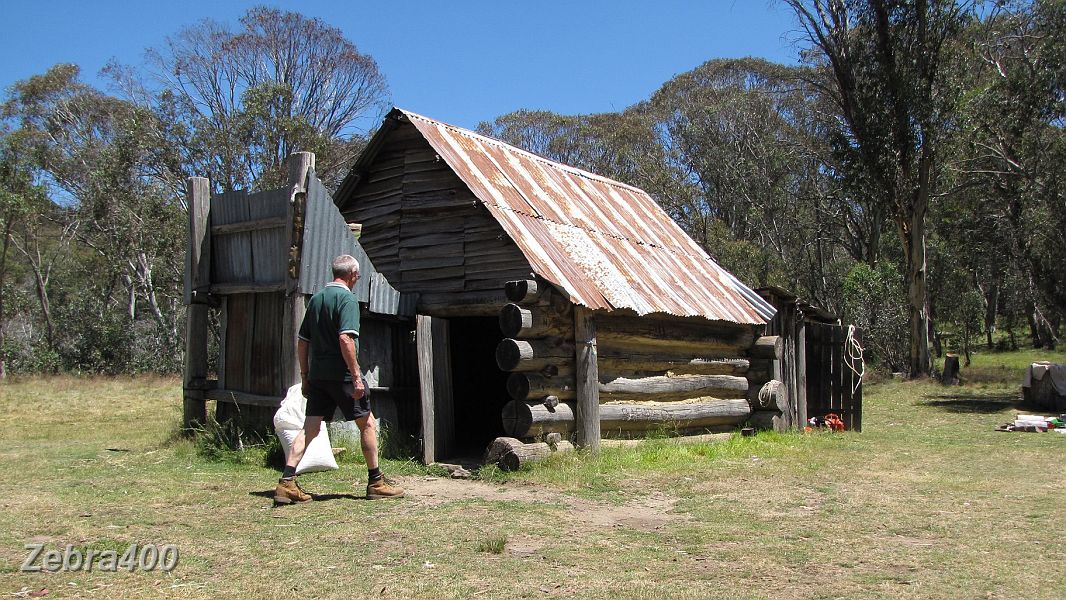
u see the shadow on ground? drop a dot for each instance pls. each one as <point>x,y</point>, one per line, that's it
<point>314,497</point>
<point>962,403</point>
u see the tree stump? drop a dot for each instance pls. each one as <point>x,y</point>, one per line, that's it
<point>951,370</point>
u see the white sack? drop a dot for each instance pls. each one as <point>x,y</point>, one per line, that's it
<point>289,421</point>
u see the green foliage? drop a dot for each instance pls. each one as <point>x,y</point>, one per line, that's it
<point>873,301</point>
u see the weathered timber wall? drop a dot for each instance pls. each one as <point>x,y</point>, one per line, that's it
<point>655,373</point>
<point>427,233</point>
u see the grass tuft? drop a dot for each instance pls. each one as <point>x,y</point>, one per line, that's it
<point>494,544</point>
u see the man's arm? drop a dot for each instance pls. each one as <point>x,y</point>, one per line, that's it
<point>347,343</point>
<point>302,350</point>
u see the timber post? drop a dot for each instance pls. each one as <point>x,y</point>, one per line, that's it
<point>300,166</point>
<point>587,379</point>
<point>197,286</point>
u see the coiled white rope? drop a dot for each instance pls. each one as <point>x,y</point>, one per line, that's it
<point>853,355</point>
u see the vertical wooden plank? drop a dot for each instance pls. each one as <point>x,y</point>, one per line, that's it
<point>444,404</point>
<point>801,372</point>
<point>424,343</point>
<point>838,370</point>
<point>198,252</point>
<point>300,165</point>
<point>816,371</point>
<point>587,380</point>
<point>198,281</point>
<point>240,311</point>
<point>194,408</point>
<point>264,370</point>
<point>223,323</point>
<point>856,398</point>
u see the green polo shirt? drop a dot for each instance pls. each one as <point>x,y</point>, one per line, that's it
<point>331,312</point>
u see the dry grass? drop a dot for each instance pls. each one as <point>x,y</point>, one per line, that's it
<point>928,502</point>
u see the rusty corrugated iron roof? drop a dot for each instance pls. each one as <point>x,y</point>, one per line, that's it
<point>608,245</point>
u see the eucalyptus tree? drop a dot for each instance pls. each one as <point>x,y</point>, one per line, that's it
<point>248,98</point>
<point>96,157</point>
<point>1015,144</point>
<point>896,103</point>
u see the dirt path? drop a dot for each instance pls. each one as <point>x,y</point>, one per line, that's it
<point>650,513</point>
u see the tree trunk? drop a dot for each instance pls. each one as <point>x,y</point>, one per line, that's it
<point>991,304</point>
<point>3,274</point>
<point>921,364</point>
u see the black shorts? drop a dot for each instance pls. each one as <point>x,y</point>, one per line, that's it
<point>325,397</point>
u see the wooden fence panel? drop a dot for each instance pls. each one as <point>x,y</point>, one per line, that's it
<point>831,382</point>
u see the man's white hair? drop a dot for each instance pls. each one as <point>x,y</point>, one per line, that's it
<point>344,265</point>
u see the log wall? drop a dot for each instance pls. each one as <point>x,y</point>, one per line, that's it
<point>655,374</point>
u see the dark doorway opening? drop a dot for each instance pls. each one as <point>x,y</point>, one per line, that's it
<point>479,387</point>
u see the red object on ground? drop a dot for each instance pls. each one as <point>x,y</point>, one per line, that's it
<point>834,422</point>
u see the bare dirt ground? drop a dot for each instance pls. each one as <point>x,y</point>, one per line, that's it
<point>650,513</point>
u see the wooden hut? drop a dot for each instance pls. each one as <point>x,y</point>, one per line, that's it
<point>509,296</point>
<point>550,300</point>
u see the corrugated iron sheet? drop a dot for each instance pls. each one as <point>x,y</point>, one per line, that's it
<point>326,236</point>
<point>606,244</point>
<point>248,256</point>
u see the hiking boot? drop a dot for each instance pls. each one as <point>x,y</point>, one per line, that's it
<point>289,492</point>
<point>382,488</point>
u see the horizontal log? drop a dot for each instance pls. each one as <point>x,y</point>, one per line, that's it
<point>533,386</point>
<point>534,322</point>
<point>767,420</point>
<point>254,225</point>
<point>511,454</point>
<point>243,398</point>
<point>771,395</point>
<point>648,363</point>
<point>760,371</point>
<point>532,355</point>
<point>767,347</point>
<point>706,438</point>
<point>523,419</point>
<point>525,291</point>
<point>619,336</point>
<point>680,387</point>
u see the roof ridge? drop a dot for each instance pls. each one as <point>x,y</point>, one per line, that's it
<point>533,156</point>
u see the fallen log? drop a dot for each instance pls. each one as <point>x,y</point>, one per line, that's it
<point>533,355</point>
<point>511,454</point>
<point>523,419</point>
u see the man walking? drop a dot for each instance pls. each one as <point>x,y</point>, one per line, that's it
<point>328,351</point>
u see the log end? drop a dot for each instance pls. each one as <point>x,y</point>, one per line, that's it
<point>512,319</point>
<point>517,418</point>
<point>509,353</point>
<point>522,290</point>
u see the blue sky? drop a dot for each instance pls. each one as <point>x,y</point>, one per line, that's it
<point>458,61</point>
